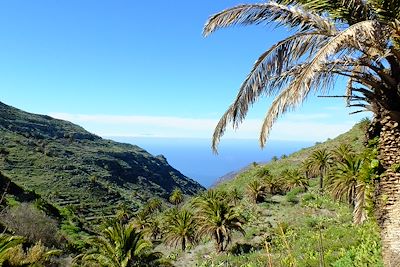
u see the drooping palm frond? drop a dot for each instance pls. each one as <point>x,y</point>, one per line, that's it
<point>36,255</point>
<point>348,11</point>
<point>292,16</point>
<point>311,76</point>
<point>300,78</point>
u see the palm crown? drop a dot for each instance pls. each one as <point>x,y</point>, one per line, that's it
<point>355,39</point>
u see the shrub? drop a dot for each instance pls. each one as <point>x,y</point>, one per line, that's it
<point>31,223</point>
<point>291,196</point>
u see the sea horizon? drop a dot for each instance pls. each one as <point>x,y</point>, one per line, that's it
<point>194,157</point>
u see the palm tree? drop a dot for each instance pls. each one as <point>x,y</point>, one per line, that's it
<point>256,191</point>
<point>145,219</point>
<point>153,228</point>
<point>37,255</point>
<point>347,183</point>
<point>293,179</point>
<point>176,197</point>
<point>341,152</point>
<point>121,245</point>
<point>342,182</point>
<point>235,196</point>
<point>218,219</point>
<point>274,184</point>
<point>320,161</point>
<point>180,228</point>
<point>358,40</point>
<point>263,172</point>
<point>152,206</point>
<point>141,220</point>
<point>8,242</point>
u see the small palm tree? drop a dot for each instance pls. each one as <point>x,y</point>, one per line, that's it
<point>263,172</point>
<point>218,219</point>
<point>180,228</point>
<point>8,242</point>
<point>152,206</point>
<point>176,197</point>
<point>319,162</point>
<point>274,184</point>
<point>341,152</point>
<point>141,220</point>
<point>343,179</point>
<point>256,191</point>
<point>346,182</point>
<point>293,179</point>
<point>235,196</point>
<point>120,245</point>
<point>37,255</point>
<point>153,228</point>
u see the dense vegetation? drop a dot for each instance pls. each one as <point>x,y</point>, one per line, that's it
<point>272,214</point>
<point>330,40</point>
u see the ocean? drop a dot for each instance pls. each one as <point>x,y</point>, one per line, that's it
<point>195,159</point>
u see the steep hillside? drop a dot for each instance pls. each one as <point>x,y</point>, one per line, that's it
<point>355,137</point>
<point>69,166</point>
<point>288,225</point>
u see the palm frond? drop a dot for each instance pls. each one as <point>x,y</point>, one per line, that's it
<point>291,16</point>
<point>348,11</point>
<point>311,76</point>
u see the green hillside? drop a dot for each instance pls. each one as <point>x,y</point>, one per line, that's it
<point>71,167</point>
<point>291,225</point>
<point>83,188</point>
<point>354,137</point>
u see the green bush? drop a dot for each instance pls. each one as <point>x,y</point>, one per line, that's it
<point>291,196</point>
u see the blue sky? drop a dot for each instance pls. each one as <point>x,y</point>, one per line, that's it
<point>137,68</point>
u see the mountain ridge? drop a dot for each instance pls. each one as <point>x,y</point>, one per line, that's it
<point>69,166</point>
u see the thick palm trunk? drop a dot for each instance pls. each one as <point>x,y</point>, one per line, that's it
<point>388,191</point>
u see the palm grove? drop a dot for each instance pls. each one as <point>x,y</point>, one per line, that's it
<point>232,221</point>
<point>357,39</point>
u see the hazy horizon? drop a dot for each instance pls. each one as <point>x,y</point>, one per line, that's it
<point>194,158</point>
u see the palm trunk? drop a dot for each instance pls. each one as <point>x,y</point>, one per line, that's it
<point>183,244</point>
<point>359,213</point>
<point>388,190</point>
<point>321,181</point>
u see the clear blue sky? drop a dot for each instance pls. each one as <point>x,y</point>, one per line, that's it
<point>141,68</point>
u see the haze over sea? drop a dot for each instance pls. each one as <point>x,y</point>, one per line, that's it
<point>194,157</point>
